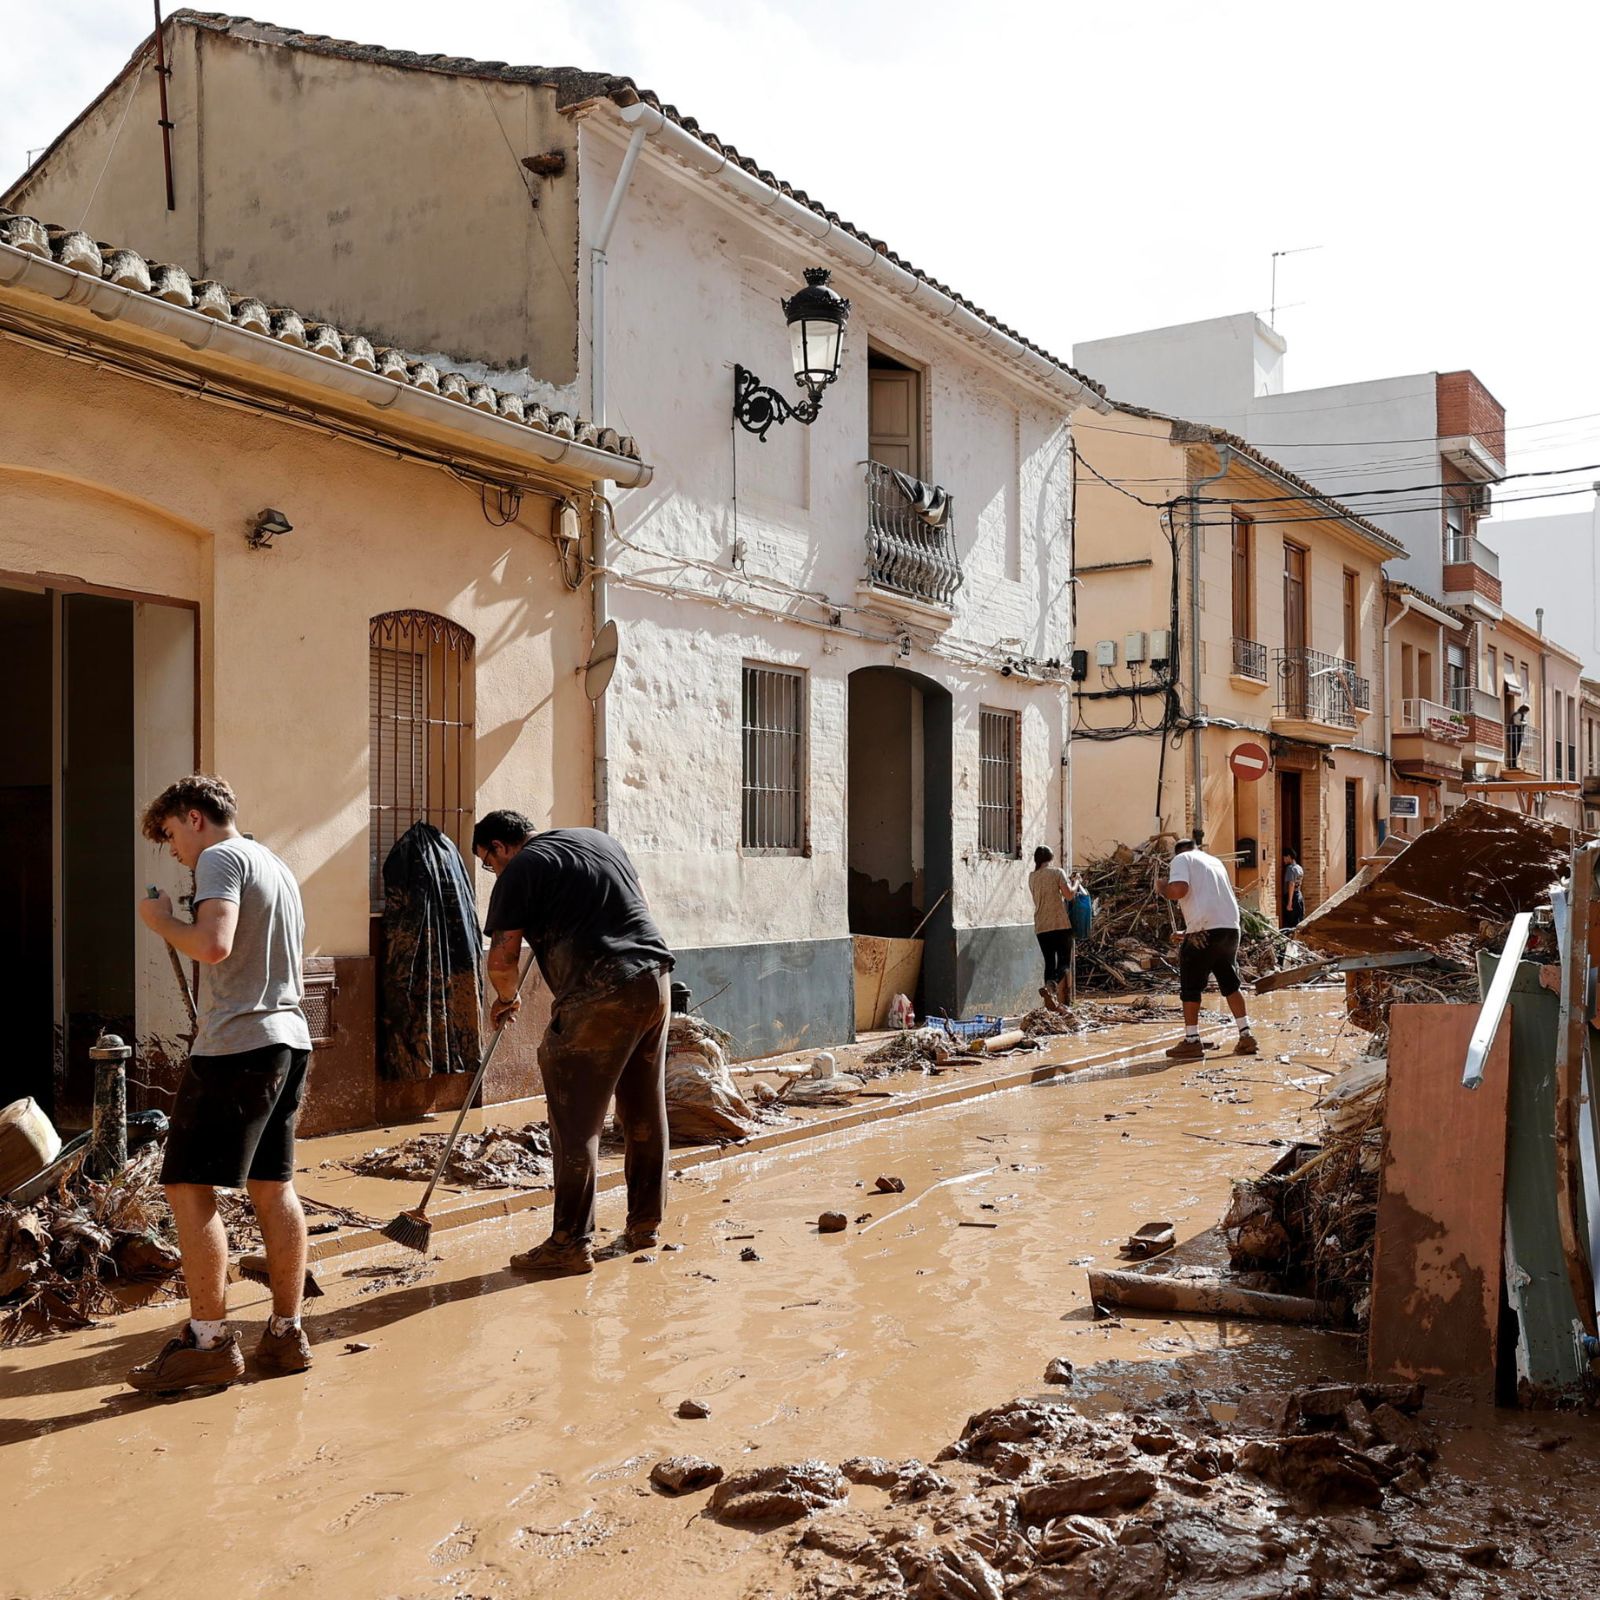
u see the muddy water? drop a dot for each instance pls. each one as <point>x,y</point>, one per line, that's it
<point>496,1436</point>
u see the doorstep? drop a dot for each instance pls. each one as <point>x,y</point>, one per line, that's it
<point>903,1094</point>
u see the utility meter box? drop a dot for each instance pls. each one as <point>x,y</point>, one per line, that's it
<point>1080,665</point>
<point>1133,648</point>
<point>1160,644</point>
<point>1105,653</point>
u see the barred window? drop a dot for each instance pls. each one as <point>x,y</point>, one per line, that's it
<point>421,738</point>
<point>998,790</point>
<point>774,759</point>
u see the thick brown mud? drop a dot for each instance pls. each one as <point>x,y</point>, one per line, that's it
<point>467,1432</point>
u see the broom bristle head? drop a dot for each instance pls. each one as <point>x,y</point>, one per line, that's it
<point>410,1230</point>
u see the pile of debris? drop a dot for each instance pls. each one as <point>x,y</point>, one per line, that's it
<point>85,1249</point>
<point>491,1158</point>
<point>1310,1220</point>
<point>1131,943</point>
<point>703,1104</point>
<point>1037,1500</point>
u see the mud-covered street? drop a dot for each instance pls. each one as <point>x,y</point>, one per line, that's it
<point>466,1432</point>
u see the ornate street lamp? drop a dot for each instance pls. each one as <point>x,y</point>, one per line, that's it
<point>816,318</point>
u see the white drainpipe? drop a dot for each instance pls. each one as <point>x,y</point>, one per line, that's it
<point>600,508</point>
<point>1388,694</point>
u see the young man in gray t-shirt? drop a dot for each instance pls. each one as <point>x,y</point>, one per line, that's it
<point>234,1118</point>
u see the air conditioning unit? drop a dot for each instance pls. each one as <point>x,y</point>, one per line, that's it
<point>1105,653</point>
<point>1481,499</point>
<point>1133,648</point>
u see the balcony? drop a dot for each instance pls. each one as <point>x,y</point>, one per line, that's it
<point>1249,669</point>
<point>1524,750</point>
<point>1471,575</point>
<point>1591,788</point>
<point>1318,695</point>
<point>913,569</point>
<point>1485,715</point>
<point>1434,720</point>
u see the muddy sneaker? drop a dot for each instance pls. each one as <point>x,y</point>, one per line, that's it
<point>182,1364</point>
<point>1187,1050</point>
<point>289,1351</point>
<point>636,1239</point>
<point>1051,1000</point>
<point>1247,1045</point>
<point>555,1259</point>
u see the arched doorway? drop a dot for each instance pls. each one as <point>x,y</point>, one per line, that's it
<point>898,829</point>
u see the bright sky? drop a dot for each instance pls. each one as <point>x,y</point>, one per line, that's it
<point>1085,170</point>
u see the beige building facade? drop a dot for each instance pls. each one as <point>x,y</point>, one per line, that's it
<point>410,647</point>
<point>1428,661</point>
<point>1175,522</point>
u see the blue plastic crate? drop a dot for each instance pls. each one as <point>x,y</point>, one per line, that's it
<point>969,1029</point>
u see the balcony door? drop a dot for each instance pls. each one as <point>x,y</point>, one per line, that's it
<point>1296,685</point>
<point>894,413</point>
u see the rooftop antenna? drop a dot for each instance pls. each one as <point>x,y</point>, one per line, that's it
<point>1305,249</point>
<point>163,72</point>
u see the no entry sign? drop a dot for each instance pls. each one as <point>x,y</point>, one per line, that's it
<point>1247,762</point>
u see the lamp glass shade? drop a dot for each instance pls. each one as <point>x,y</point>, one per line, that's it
<point>815,346</point>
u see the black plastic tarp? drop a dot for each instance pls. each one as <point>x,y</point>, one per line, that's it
<point>432,959</point>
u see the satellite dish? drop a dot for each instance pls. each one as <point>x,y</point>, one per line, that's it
<point>602,662</point>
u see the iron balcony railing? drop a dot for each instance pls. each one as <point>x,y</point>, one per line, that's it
<point>1434,720</point>
<point>1524,748</point>
<point>1250,659</point>
<point>911,546</point>
<point>1462,550</point>
<point>1360,688</point>
<point>1313,687</point>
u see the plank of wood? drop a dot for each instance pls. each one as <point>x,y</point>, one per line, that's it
<point>1437,1259</point>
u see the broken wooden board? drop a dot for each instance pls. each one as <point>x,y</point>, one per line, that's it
<point>883,969</point>
<point>1437,1256</point>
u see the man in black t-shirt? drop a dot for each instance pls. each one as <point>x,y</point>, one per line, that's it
<point>573,894</point>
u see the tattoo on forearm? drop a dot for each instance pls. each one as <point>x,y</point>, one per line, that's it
<point>504,948</point>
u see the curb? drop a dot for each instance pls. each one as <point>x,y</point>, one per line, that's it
<point>507,1203</point>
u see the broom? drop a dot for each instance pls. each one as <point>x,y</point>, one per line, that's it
<point>412,1228</point>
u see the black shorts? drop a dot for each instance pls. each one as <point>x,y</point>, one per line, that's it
<point>234,1118</point>
<point>1057,948</point>
<point>1208,955</point>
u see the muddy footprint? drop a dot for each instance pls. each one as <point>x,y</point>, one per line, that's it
<point>368,1502</point>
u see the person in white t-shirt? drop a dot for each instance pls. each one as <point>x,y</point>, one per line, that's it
<point>1198,882</point>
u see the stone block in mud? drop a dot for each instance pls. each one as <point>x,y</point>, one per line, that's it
<point>1155,1441</point>
<point>1394,1427</point>
<point>1317,1470</point>
<point>685,1474</point>
<point>1406,1397</point>
<point>890,1185</point>
<point>693,1410</point>
<point>779,1493</point>
<point>832,1222</point>
<point>1323,1406</point>
<point>873,1470</point>
<point>916,1482</point>
<point>1059,1371</point>
<point>1091,1493</point>
<point>1040,1425</point>
<point>950,1572</point>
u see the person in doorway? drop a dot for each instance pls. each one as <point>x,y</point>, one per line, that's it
<point>234,1118</point>
<point>1198,882</point>
<point>1516,733</point>
<point>573,895</point>
<point>1052,892</point>
<point>1294,900</point>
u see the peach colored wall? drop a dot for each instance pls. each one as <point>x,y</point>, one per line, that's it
<point>112,482</point>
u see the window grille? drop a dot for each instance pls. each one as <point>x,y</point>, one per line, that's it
<point>774,759</point>
<point>421,739</point>
<point>998,823</point>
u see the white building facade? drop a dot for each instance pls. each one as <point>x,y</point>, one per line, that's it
<point>836,711</point>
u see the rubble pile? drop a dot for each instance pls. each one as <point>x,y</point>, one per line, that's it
<point>1035,1500</point>
<point>1310,1220</point>
<point>914,1050</point>
<point>85,1249</point>
<point>492,1158</point>
<point>1130,944</point>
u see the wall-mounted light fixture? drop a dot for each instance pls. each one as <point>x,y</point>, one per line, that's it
<point>267,526</point>
<point>816,318</point>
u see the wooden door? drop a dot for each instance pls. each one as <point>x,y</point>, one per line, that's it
<point>894,418</point>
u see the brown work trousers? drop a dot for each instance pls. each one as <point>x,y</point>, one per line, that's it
<point>612,1044</point>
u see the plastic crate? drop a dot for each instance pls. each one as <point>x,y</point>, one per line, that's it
<point>968,1029</point>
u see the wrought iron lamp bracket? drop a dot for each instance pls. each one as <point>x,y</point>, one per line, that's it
<point>757,405</point>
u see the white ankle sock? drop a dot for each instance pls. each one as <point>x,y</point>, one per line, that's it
<point>1191,1035</point>
<point>278,1326</point>
<point>207,1334</point>
<point>1244,1024</point>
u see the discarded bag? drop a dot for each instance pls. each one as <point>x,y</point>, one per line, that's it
<point>703,1106</point>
